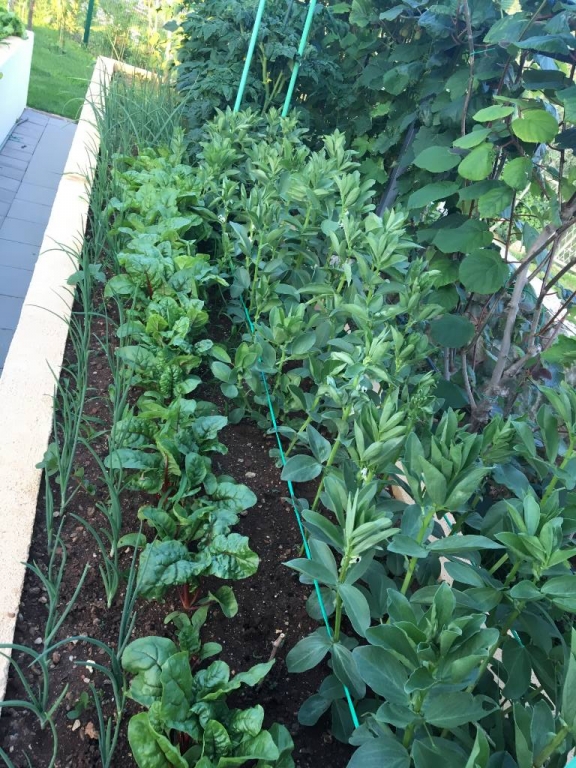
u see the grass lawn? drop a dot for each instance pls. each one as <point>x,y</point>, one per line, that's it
<point>59,81</point>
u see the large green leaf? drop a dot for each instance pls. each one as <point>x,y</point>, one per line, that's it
<point>450,710</point>
<point>345,669</point>
<point>301,468</point>
<point>308,652</point>
<point>478,164</point>
<point>436,159</point>
<point>216,741</point>
<point>151,749</point>
<point>176,679</point>
<point>464,238</point>
<point>383,673</point>
<point>260,747</point>
<point>483,271</point>
<point>231,557</point>
<point>516,662</point>
<point>164,564</point>
<point>563,351</point>
<point>517,172</point>
<point>496,112</point>
<point>314,570</point>
<point>495,201</point>
<point>535,126</point>
<point>385,751</point>
<point>144,658</point>
<point>452,331</point>
<point>471,140</point>
<point>480,753</point>
<point>234,496</point>
<point>313,709</point>
<point>440,190</point>
<point>356,607</point>
<point>319,446</point>
<point>463,543</point>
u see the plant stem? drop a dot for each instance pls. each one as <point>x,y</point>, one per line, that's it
<point>338,604</point>
<point>414,560</point>
<point>549,750</point>
<point>552,484</point>
<point>303,426</point>
<point>503,632</point>
<point>514,570</point>
<point>498,564</point>
<point>333,452</point>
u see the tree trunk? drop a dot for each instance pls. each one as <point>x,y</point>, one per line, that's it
<point>30,13</point>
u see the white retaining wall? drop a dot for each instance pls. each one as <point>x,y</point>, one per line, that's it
<point>15,64</point>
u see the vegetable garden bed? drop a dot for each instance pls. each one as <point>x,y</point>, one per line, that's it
<point>272,604</point>
<point>244,321</point>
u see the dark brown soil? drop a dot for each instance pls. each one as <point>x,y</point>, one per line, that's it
<point>270,602</point>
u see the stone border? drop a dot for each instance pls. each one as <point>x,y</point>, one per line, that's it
<point>27,384</point>
<point>15,65</point>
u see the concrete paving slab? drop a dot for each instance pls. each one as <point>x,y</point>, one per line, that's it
<point>35,117</point>
<point>13,162</point>
<point>7,195</point>
<point>28,129</point>
<point>32,193</point>
<point>4,208</point>
<point>18,255</point>
<point>10,308</point>
<point>41,177</point>
<point>13,282</point>
<point>21,143</point>
<point>11,184</point>
<point>18,152</point>
<point>8,172</point>
<point>27,211</point>
<point>22,231</point>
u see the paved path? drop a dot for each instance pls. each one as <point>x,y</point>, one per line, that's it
<point>31,165</point>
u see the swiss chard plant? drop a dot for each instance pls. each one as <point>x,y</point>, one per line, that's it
<point>188,721</point>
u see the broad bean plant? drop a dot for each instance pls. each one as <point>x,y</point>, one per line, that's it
<point>440,558</point>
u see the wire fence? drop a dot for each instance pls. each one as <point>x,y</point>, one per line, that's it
<point>121,29</point>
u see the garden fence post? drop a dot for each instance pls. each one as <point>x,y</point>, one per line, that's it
<point>301,49</point>
<point>249,55</point>
<point>88,24</point>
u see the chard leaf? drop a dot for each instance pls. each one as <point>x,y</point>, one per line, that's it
<point>234,496</point>
<point>144,658</point>
<point>152,749</point>
<point>176,679</point>
<point>231,557</point>
<point>217,742</point>
<point>164,564</point>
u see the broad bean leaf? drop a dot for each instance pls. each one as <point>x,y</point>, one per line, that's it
<point>308,652</point>
<point>450,710</point>
<point>301,468</point>
<point>382,751</point>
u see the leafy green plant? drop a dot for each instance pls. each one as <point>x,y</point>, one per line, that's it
<point>10,24</point>
<point>192,705</point>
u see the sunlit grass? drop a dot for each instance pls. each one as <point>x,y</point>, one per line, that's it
<point>58,81</point>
